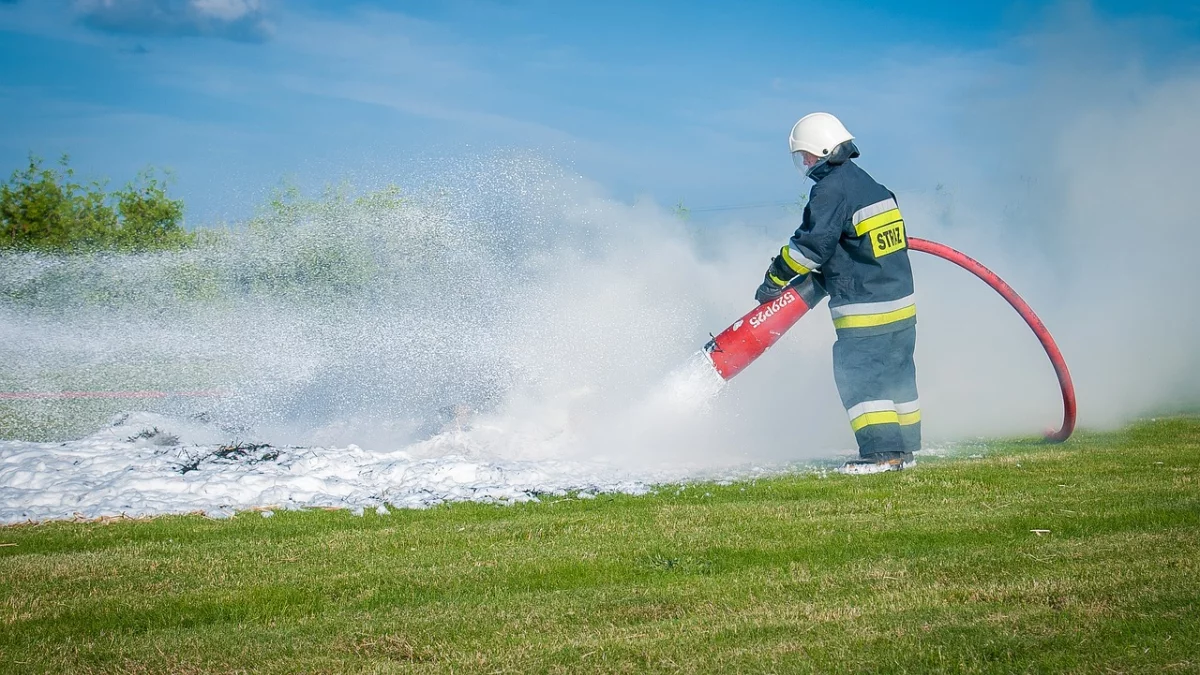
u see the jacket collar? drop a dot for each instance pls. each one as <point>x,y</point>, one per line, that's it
<point>840,155</point>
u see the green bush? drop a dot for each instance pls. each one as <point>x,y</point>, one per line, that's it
<point>150,221</point>
<point>315,248</point>
<point>47,210</point>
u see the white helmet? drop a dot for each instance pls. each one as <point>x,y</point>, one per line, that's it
<point>818,133</point>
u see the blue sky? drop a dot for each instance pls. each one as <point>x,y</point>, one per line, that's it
<point>665,100</point>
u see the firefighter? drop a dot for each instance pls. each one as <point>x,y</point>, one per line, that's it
<point>852,241</point>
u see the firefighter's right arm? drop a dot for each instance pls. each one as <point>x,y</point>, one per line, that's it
<point>810,247</point>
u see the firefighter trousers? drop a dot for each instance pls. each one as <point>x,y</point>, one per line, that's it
<point>877,381</point>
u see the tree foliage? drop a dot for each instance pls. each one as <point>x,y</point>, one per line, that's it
<point>46,209</point>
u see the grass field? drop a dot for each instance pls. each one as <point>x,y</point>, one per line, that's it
<point>1078,558</point>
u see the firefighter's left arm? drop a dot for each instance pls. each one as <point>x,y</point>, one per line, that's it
<point>811,246</point>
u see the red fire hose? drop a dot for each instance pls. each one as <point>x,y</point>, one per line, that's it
<point>1039,329</point>
<point>739,345</point>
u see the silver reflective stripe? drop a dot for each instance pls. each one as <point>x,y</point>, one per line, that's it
<point>873,210</point>
<point>870,407</point>
<point>861,308</point>
<point>799,257</point>
<point>910,407</point>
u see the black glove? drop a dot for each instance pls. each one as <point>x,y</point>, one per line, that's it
<point>778,276</point>
<point>769,290</point>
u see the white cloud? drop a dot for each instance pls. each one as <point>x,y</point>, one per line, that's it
<point>246,20</point>
<point>228,10</point>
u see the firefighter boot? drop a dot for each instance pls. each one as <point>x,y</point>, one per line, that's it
<point>880,462</point>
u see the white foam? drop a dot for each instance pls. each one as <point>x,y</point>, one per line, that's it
<point>690,389</point>
<point>179,470</point>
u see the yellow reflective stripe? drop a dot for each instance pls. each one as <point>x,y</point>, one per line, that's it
<point>909,418</point>
<point>885,218</point>
<point>787,258</point>
<point>777,280</point>
<point>868,419</point>
<point>869,320</point>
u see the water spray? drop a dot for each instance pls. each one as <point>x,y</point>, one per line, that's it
<point>749,337</point>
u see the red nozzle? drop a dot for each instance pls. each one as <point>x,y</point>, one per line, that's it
<point>743,342</point>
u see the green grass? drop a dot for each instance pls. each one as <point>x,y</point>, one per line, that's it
<point>936,569</point>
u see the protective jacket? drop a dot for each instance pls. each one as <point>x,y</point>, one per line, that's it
<point>852,240</point>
